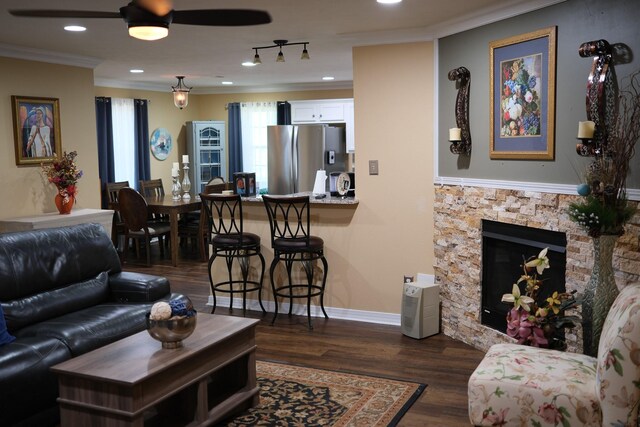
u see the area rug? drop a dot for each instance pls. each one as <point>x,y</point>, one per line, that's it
<point>298,396</point>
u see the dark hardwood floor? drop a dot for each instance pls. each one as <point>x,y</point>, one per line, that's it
<point>440,362</point>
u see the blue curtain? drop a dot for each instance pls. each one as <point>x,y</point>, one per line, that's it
<point>235,139</point>
<point>104,126</point>
<point>143,160</point>
<point>284,113</point>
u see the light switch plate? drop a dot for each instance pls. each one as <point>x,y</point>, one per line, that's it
<point>373,167</point>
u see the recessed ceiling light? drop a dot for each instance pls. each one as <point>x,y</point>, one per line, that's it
<point>328,78</point>
<point>389,1</point>
<point>248,64</point>
<point>136,71</point>
<point>75,28</point>
<point>227,83</point>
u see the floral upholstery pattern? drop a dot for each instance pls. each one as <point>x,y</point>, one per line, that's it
<point>518,385</point>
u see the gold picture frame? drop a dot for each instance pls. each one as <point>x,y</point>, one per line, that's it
<point>522,96</point>
<point>36,129</point>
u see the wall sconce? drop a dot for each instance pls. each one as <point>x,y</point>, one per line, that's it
<point>460,136</point>
<point>180,93</point>
<point>280,57</point>
<point>602,94</point>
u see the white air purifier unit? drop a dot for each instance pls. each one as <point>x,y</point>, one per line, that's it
<point>420,316</point>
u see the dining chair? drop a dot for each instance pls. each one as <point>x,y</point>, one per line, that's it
<point>230,241</point>
<point>117,228</point>
<point>134,211</point>
<point>291,240</point>
<point>152,187</point>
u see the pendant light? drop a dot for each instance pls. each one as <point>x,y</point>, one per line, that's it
<point>180,93</point>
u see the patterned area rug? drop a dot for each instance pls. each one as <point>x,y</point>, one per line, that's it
<point>297,396</point>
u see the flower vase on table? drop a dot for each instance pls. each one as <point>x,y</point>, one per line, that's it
<point>64,174</point>
<point>64,201</point>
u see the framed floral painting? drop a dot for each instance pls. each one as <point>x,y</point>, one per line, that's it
<point>36,130</point>
<point>522,93</point>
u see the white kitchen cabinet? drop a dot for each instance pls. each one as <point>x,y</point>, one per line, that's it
<point>206,149</point>
<point>326,111</point>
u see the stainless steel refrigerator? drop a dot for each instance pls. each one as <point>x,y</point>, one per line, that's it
<point>296,152</point>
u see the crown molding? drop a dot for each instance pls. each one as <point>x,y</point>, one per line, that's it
<point>31,54</point>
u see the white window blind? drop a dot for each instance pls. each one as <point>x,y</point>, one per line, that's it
<point>255,117</point>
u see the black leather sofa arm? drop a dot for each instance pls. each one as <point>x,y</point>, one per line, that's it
<point>127,286</point>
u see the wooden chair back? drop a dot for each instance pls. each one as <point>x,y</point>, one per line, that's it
<point>152,187</point>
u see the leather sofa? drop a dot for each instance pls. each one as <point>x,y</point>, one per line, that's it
<point>63,293</point>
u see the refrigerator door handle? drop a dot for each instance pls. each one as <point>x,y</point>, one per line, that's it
<point>295,157</point>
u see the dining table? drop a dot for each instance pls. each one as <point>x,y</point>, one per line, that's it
<point>166,205</point>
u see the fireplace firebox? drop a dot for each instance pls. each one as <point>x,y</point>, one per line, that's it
<point>505,247</point>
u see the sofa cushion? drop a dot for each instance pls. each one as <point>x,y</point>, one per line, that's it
<point>49,304</point>
<point>36,261</point>
<point>93,327</point>
<point>520,385</point>
<point>27,383</point>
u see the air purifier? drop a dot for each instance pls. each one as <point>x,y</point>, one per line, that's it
<point>420,311</point>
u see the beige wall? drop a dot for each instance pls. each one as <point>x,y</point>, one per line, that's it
<point>24,190</point>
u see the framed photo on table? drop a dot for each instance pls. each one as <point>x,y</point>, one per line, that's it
<point>522,94</point>
<point>36,130</point>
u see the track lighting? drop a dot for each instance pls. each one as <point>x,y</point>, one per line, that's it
<point>180,93</point>
<point>280,56</point>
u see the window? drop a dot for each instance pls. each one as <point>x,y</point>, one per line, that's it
<point>124,150</point>
<point>255,117</point>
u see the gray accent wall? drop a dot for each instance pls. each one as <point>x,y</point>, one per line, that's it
<point>577,21</point>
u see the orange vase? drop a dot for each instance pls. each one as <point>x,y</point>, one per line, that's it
<point>64,208</point>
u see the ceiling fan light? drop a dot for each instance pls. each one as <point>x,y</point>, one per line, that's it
<point>148,32</point>
<point>180,93</point>
<point>280,57</point>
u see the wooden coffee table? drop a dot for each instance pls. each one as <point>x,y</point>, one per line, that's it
<point>135,382</point>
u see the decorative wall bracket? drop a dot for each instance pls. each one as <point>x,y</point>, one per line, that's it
<point>460,137</point>
<point>601,100</point>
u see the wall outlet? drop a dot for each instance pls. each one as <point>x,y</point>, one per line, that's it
<point>373,167</point>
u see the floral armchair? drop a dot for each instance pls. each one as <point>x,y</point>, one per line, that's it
<point>528,386</point>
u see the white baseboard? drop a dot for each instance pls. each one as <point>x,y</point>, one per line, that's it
<point>316,311</point>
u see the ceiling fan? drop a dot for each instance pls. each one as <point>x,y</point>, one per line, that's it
<point>150,19</point>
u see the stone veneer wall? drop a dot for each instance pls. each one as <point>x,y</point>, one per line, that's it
<point>458,214</point>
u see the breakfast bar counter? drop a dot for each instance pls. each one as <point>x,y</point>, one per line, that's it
<point>326,200</point>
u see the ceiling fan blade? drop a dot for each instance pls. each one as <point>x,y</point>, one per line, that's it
<point>157,7</point>
<point>48,13</point>
<point>221,17</point>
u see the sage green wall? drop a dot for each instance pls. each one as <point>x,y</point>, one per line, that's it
<point>577,21</point>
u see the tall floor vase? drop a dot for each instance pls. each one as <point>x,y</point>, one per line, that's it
<point>599,294</point>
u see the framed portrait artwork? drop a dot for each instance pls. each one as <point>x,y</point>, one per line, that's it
<point>522,94</point>
<point>36,129</point>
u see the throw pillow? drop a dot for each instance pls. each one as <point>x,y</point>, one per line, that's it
<point>5,336</point>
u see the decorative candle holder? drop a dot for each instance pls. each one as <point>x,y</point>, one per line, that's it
<point>175,188</point>
<point>602,94</point>
<point>186,184</point>
<point>460,137</point>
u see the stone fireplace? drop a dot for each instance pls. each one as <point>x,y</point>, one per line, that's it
<point>505,247</point>
<point>458,215</point>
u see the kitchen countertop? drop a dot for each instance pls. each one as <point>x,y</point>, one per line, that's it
<point>328,200</point>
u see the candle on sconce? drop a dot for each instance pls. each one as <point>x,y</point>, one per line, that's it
<point>455,134</point>
<point>185,158</point>
<point>586,129</point>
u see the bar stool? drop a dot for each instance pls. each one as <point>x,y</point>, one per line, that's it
<point>228,240</point>
<point>289,220</point>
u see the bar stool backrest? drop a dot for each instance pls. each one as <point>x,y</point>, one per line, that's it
<point>224,213</point>
<point>289,217</point>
